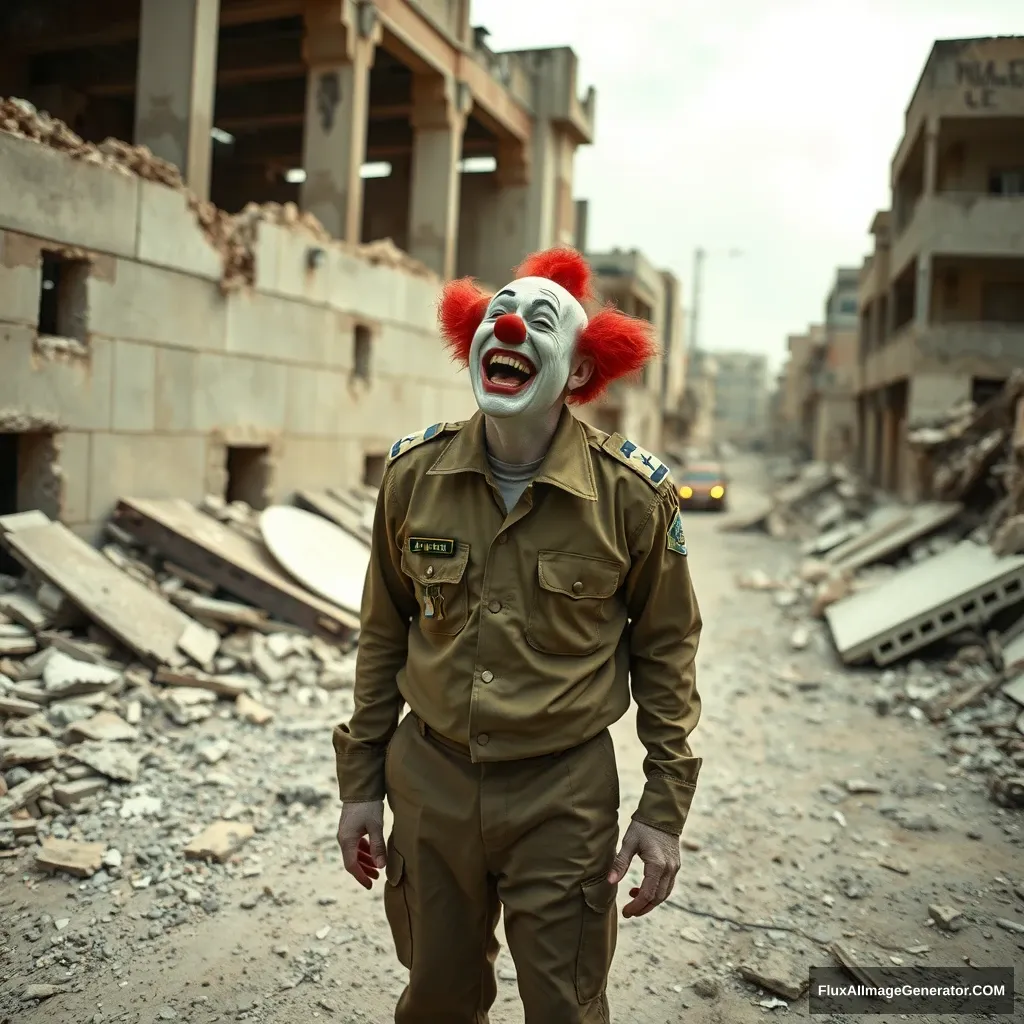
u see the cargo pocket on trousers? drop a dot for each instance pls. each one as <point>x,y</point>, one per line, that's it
<point>396,908</point>
<point>597,939</point>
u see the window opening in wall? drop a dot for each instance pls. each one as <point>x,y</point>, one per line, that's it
<point>373,470</point>
<point>29,480</point>
<point>63,297</point>
<point>1006,183</point>
<point>362,352</point>
<point>985,388</point>
<point>248,470</point>
<point>1002,302</point>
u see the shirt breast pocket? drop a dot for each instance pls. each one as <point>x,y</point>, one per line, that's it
<point>441,590</point>
<point>570,605</point>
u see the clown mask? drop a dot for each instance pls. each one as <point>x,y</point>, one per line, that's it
<point>532,345</point>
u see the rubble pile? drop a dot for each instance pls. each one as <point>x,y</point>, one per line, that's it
<point>111,740</point>
<point>18,117</point>
<point>234,236</point>
<point>975,455</point>
<point>942,580</point>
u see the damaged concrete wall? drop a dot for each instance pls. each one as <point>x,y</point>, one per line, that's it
<point>322,361</point>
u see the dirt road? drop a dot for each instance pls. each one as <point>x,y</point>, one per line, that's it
<point>776,839</point>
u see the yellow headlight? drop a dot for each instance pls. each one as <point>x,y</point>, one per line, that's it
<point>717,491</point>
<point>685,492</point>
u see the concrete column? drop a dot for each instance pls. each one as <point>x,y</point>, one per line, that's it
<point>923,290</point>
<point>176,83</point>
<point>931,156</point>
<point>440,108</point>
<point>564,210</point>
<point>869,439</point>
<point>339,48</point>
<point>890,315</point>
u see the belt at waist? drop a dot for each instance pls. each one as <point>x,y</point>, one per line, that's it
<point>443,741</point>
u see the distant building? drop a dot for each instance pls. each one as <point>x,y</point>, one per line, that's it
<point>942,295</point>
<point>642,408</point>
<point>834,373</point>
<point>741,396</point>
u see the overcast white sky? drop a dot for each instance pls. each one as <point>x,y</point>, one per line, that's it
<point>765,125</point>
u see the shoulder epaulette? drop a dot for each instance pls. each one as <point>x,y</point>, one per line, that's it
<point>406,444</point>
<point>641,461</point>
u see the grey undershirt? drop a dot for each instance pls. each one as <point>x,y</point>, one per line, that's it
<point>512,480</point>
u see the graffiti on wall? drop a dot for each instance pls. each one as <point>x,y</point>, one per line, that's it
<point>984,80</point>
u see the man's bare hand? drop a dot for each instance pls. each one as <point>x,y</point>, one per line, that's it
<point>659,852</point>
<point>361,838</point>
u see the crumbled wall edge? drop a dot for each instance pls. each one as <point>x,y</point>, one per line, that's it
<point>233,236</point>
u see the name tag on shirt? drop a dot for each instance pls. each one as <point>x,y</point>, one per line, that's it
<point>439,547</point>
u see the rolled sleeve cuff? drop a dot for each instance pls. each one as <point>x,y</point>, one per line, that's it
<point>666,799</point>
<point>360,769</point>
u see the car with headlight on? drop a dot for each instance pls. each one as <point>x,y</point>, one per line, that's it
<point>703,485</point>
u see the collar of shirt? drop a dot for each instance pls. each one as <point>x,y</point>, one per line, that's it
<point>567,465</point>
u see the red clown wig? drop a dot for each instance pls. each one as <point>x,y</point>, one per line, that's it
<point>618,344</point>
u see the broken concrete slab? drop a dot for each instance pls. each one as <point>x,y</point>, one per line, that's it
<point>1014,689</point>
<point>25,609</point>
<point>252,711</point>
<point>16,521</point>
<point>25,792</point>
<point>219,841</point>
<point>110,759</point>
<point>238,564</point>
<point>337,511</point>
<point>224,686</point>
<point>65,677</point>
<point>317,553</point>
<point>70,794</point>
<point>27,751</point>
<point>16,646</point>
<point>82,860</point>
<point>140,618</point>
<point>17,708</point>
<point>104,726</point>
<point>788,980</point>
<point>893,535</point>
<point>200,644</point>
<point>962,586</point>
<point>229,612</point>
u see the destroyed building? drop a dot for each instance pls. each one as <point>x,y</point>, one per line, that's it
<point>241,301</point>
<point>942,295</point>
<point>649,404</point>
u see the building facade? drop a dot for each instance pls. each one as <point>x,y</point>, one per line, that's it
<point>640,408</point>
<point>833,377</point>
<point>942,294</point>
<point>740,397</point>
<point>133,365</point>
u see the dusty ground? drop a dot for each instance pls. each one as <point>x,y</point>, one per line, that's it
<point>283,935</point>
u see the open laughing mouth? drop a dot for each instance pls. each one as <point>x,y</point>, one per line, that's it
<point>506,373</point>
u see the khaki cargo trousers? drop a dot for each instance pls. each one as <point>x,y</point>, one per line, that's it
<point>535,837</point>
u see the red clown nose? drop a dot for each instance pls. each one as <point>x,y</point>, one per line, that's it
<point>510,329</point>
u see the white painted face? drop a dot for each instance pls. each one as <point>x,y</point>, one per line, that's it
<point>521,358</point>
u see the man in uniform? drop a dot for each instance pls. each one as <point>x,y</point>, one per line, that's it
<point>527,571</point>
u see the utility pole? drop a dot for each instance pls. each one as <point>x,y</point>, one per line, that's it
<point>698,267</point>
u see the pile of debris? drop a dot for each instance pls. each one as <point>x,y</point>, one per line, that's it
<point>20,118</point>
<point>975,455</point>
<point>104,652</point>
<point>234,236</point>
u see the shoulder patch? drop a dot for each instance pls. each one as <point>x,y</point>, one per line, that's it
<point>641,461</point>
<point>675,539</point>
<point>406,444</point>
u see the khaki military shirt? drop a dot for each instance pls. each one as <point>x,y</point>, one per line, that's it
<point>521,635</point>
